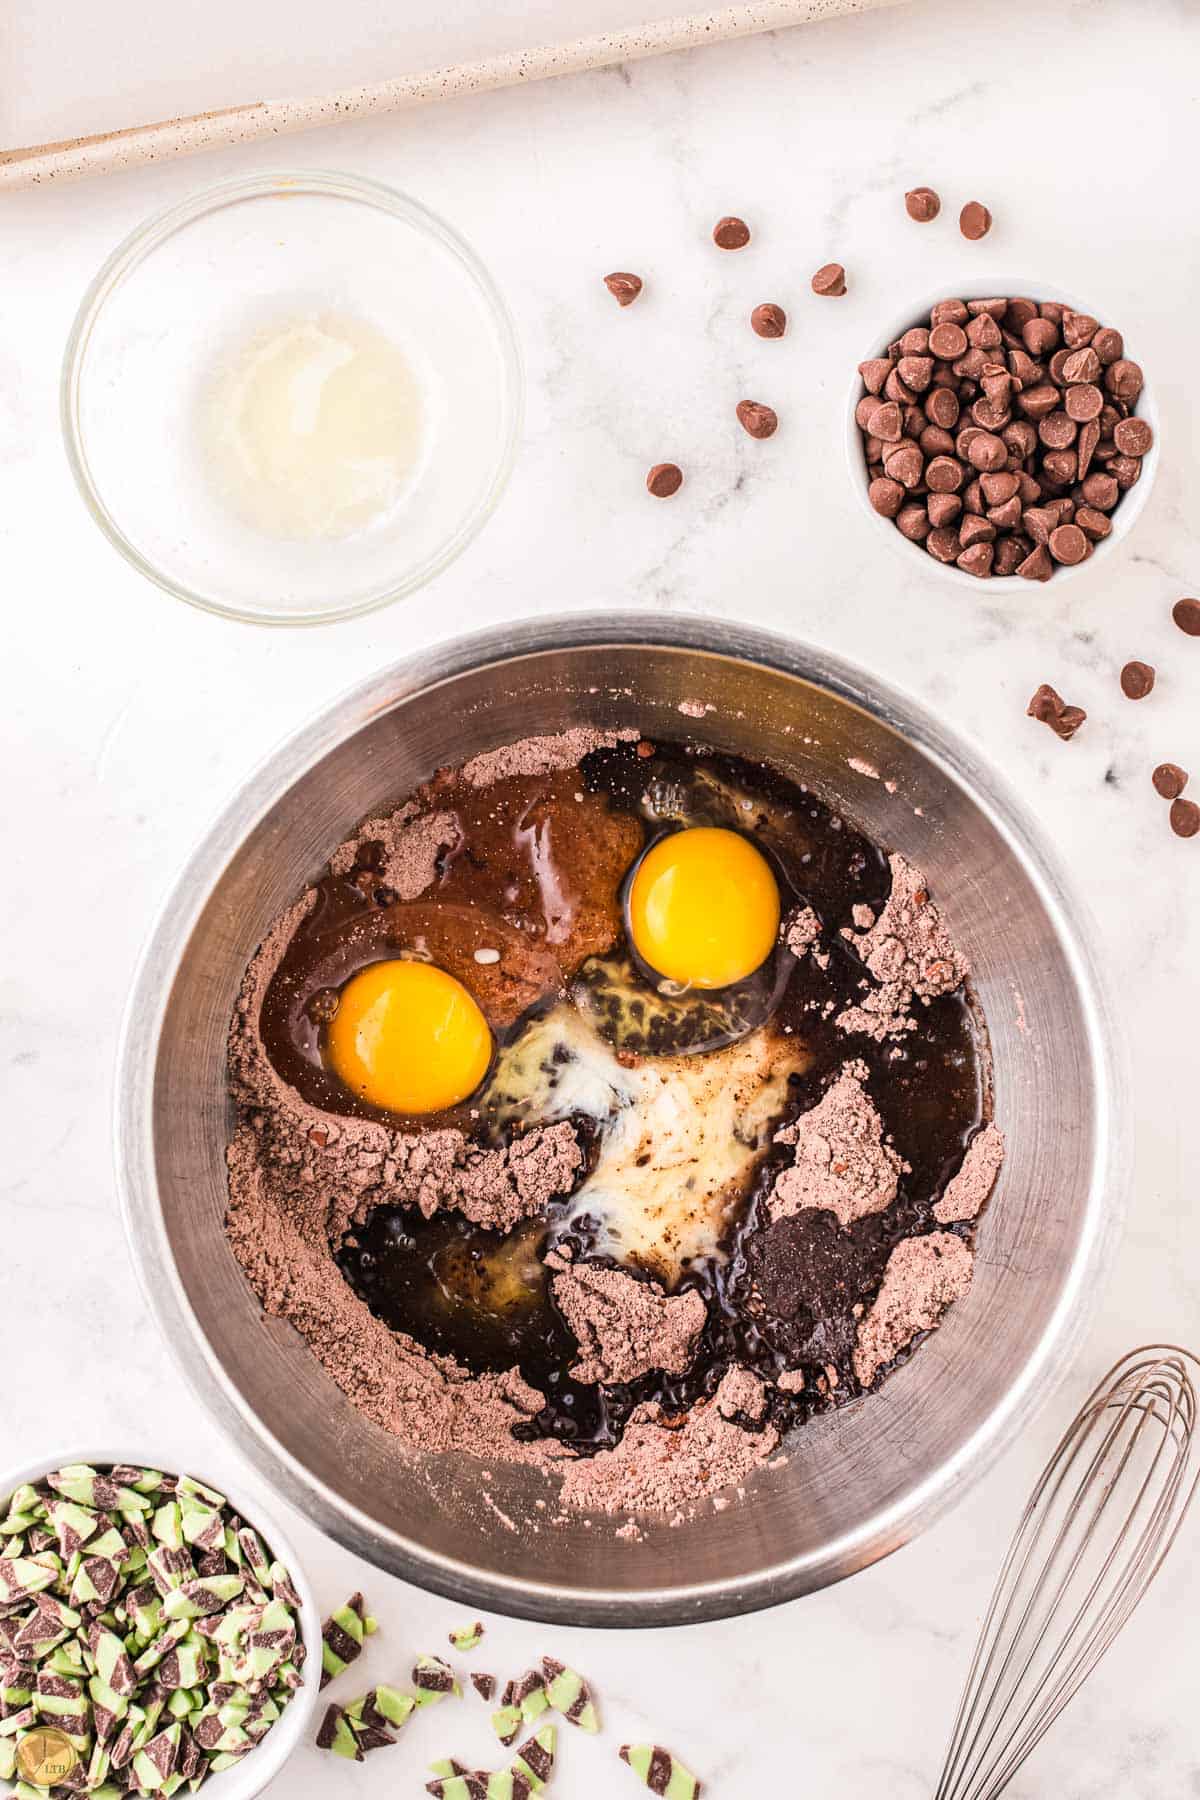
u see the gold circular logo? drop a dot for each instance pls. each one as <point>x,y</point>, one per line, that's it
<point>45,1756</point>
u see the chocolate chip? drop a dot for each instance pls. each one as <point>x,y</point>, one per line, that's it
<point>1067,544</point>
<point>944,545</point>
<point>1109,345</point>
<point>623,287</point>
<point>1101,491</point>
<point>759,420</point>
<point>974,221</point>
<point>1185,818</point>
<point>1186,614</point>
<point>977,559</point>
<point>1096,524</point>
<point>947,340</point>
<point>1084,403</point>
<point>1126,471</point>
<point>949,312</point>
<point>914,522</point>
<point>922,204</point>
<point>770,321</point>
<point>1169,780</point>
<point>1050,708</point>
<point>886,496</point>
<point>731,234</point>
<point>1058,430</point>
<point>1081,365</point>
<point>830,280</point>
<point>944,475</point>
<point>875,372</point>
<point>1010,553</point>
<point>943,408</point>
<point>664,480</point>
<point>1133,437</point>
<point>905,463</point>
<point>1137,679</point>
<point>884,422</point>
<point>943,509</point>
<point>1123,379</point>
<point>987,451</point>
<point>1038,565</point>
<point>1060,467</point>
<point>915,372</point>
<point>1039,336</point>
<point>1078,329</point>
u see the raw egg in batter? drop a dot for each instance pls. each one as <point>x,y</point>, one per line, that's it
<point>704,907</point>
<point>408,1037</point>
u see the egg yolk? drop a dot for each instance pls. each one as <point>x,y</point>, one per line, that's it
<point>704,907</point>
<point>408,1038</point>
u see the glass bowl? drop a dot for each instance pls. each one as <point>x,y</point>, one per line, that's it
<point>170,310</point>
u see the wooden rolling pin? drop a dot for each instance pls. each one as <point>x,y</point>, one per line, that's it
<point>128,148</point>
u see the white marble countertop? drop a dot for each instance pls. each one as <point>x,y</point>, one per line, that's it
<point>129,718</point>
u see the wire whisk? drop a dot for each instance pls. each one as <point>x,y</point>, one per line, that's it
<point>1104,1514</point>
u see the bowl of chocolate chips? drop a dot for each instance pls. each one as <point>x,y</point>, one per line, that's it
<point>1007,433</point>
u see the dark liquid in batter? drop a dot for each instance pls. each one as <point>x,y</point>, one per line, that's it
<point>784,1296</point>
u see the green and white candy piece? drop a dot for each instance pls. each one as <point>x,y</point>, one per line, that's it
<point>336,1733</point>
<point>467,1637</point>
<point>434,1680</point>
<point>386,1708</point>
<point>658,1770</point>
<point>506,1720</point>
<point>570,1695</point>
<point>342,1637</point>
<point>531,1696</point>
<point>535,1759</point>
<point>23,1576</point>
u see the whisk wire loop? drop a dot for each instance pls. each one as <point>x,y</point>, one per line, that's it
<point>1102,1518</point>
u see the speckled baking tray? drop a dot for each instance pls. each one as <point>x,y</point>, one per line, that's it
<point>96,89</point>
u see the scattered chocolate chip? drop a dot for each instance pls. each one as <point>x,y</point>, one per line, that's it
<point>830,281</point>
<point>759,420</point>
<point>1185,818</point>
<point>664,480</point>
<point>1137,679</point>
<point>623,287</point>
<point>1186,614</point>
<point>974,221</point>
<point>770,321</point>
<point>922,204</point>
<point>731,234</point>
<point>1050,708</point>
<point>1169,780</point>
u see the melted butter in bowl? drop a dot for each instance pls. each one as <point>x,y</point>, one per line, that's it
<point>315,427</point>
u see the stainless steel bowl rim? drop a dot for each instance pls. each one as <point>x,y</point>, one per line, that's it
<point>920,1505</point>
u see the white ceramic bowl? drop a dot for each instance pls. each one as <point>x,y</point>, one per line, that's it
<point>249,1777</point>
<point>176,304</point>
<point>1127,510</point>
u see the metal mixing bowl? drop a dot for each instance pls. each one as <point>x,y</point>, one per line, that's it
<point>855,1484</point>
